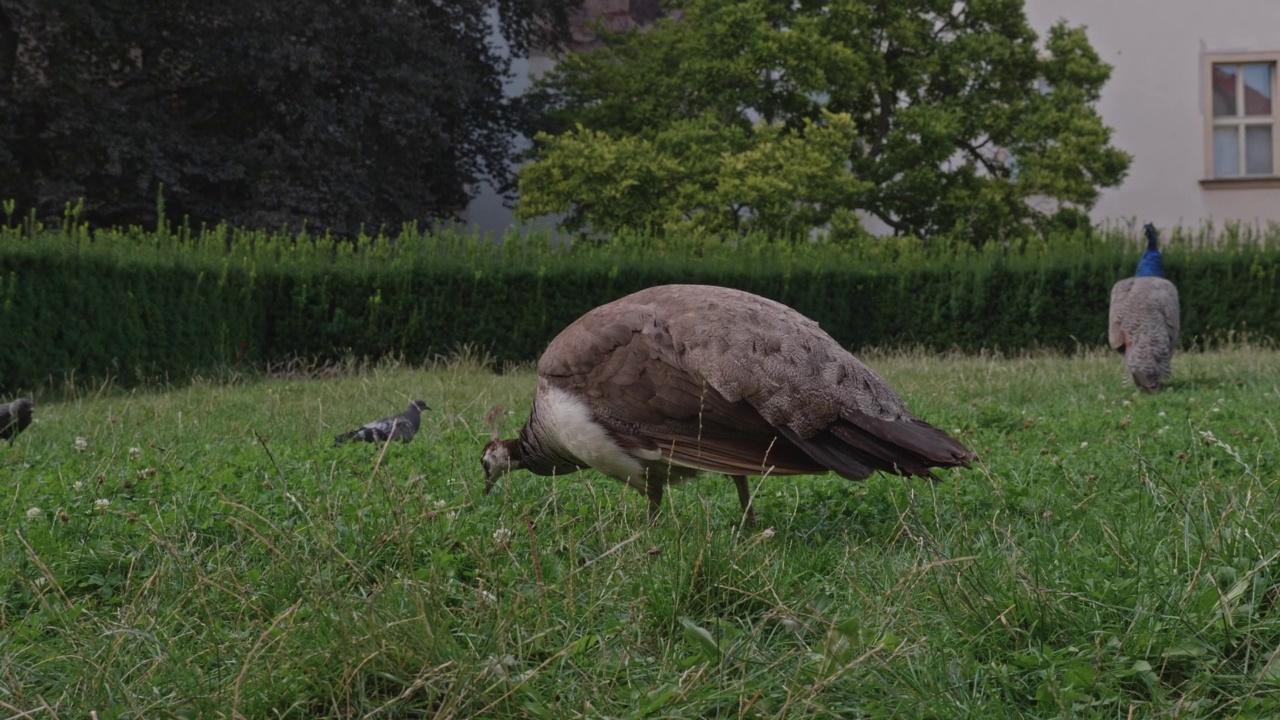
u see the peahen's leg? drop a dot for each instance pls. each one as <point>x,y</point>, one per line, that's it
<point>653,489</point>
<point>744,497</point>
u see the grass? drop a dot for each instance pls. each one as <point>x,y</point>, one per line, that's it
<point>208,554</point>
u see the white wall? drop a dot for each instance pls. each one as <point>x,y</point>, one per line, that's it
<point>1153,100</point>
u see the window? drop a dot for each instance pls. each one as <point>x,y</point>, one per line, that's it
<point>1243,129</point>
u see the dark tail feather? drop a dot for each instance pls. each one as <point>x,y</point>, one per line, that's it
<point>833,454</point>
<point>930,445</point>
<point>345,437</point>
<point>904,447</point>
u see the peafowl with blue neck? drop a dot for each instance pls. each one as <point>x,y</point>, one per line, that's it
<point>1145,319</point>
<point>1152,262</point>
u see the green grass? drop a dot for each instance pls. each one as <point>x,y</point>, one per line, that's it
<point>1113,557</point>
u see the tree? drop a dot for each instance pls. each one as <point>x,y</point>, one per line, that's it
<point>950,117</point>
<point>265,114</point>
<point>693,175</point>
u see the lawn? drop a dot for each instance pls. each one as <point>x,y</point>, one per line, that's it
<point>205,552</point>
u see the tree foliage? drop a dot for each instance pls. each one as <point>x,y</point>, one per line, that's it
<point>951,116</point>
<point>266,114</point>
<point>693,176</point>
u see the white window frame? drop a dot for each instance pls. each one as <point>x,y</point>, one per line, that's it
<point>1241,121</point>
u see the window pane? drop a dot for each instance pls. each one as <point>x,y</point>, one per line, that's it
<point>1224,90</point>
<point>1226,152</point>
<point>1257,150</point>
<point>1257,89</point>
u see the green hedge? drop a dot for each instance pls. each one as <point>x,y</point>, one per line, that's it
<point>142,306</point>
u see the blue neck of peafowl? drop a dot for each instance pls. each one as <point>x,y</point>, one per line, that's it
<point>1152,263</point>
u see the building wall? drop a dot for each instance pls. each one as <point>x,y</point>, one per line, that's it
<point>1155,98</point>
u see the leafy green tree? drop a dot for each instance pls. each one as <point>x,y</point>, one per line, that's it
<point>692,175</point>
<point>265,113</point>
<point>931,116</point>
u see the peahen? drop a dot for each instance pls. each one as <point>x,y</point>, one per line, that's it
<point>654,387</point>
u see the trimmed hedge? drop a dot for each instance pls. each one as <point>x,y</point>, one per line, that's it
<point>142,306</point>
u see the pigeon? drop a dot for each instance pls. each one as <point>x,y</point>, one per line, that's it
<point>400,427</point>
<point>15,417</point>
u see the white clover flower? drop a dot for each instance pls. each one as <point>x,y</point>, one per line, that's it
<point>135,453</point>
<point>767,533</point>
<point>1084,444</point>
<point>78,485</point>
<point>1162,414</point>
<point>82,444</point>
<point>441,503</point>
<point>502,537</point>
<point>1101,396</point>
<point>451,515</point>
<point>34,513</point>
<point>1127,403</point>
<point>101,503</point>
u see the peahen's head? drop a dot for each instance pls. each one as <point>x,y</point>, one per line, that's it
<point>1152,263</point>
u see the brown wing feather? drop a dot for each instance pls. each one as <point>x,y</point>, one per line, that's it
<point>1134,298</point>
<point>646,403</point>
<point>1115,314</point>
<point>731,456</point>
<point>1171,309</point>
<point>624,366</point>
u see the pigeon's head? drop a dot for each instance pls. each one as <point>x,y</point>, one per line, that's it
<point>418,405</point>
<point>23,407</point>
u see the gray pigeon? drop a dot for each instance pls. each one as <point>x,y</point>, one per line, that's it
<point>400,427</point>
<point>15,417</point>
